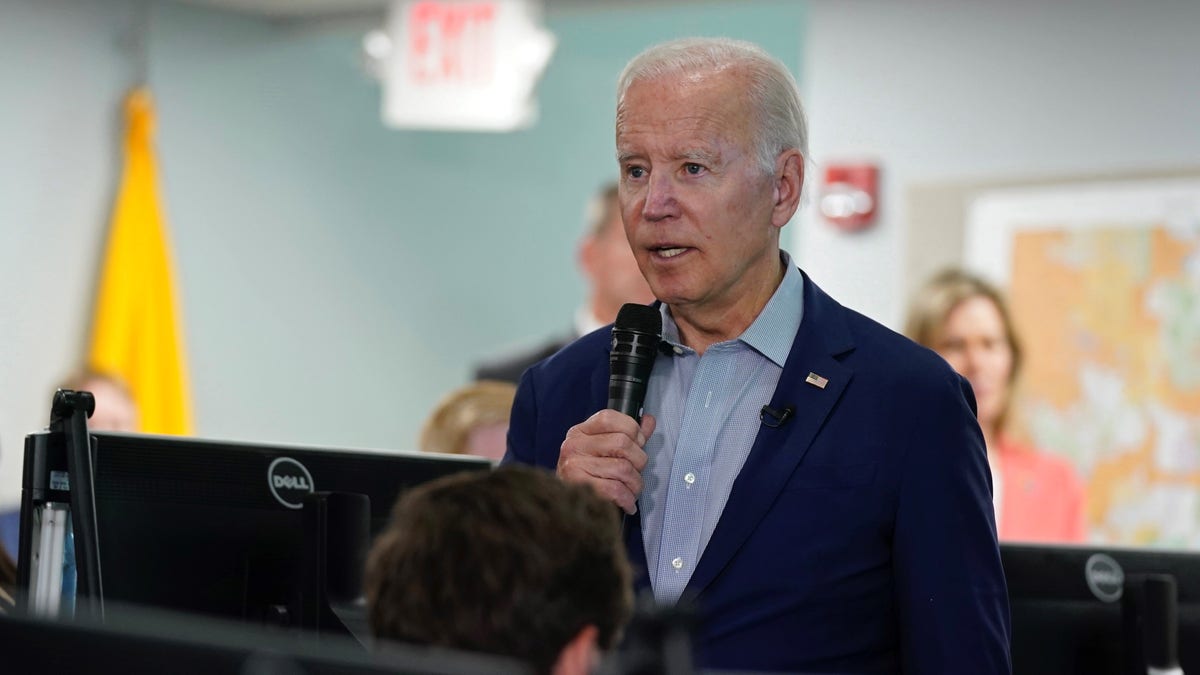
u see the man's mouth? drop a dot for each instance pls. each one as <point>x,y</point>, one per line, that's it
<point>669,251</point>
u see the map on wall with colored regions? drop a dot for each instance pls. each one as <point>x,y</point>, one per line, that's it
<point>1104,283</point>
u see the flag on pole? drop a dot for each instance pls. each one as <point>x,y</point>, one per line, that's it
<point>136,331</point>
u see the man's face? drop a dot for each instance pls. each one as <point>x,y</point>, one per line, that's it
<point>612,270</point>
<point>698,209</point>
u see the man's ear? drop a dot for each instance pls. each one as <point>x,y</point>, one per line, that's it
<point>789,181</point>
<point>580,654</point>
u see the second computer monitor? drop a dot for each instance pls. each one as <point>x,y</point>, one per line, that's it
<point>220,528</point>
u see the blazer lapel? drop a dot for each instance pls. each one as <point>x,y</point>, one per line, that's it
<point>776,452</point>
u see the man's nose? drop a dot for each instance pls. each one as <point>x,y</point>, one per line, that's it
<point>660,198</point>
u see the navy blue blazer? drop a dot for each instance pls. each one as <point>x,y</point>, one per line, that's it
<point>859,537</point>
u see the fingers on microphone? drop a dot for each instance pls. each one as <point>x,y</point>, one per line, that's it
<point>614,478</point>
<point>605,451</point>
<point>607,420</point>
<point>616,493</point>
<point>611,491</point>
<point>615,448</point>
<point>637,457</point>
<point>623,499</point>
<point>602,469</point>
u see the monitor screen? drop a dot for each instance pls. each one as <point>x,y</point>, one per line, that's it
<point>1067,607</point>
<point>218,528</point>
<point>145,641</point>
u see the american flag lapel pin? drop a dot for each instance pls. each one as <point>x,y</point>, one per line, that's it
<point>816,380</point>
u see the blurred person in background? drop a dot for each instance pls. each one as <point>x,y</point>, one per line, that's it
<point>8,580</point>
<point>511,562</point>
<point>1038,497</point>
<point>115,411</point>
<point>115,407</point>
<point>471,420</point>
<point>613,278</point>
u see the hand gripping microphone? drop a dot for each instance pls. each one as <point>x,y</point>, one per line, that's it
<point>635,338</point>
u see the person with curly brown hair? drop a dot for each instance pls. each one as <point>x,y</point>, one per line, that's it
<point>511,562</point>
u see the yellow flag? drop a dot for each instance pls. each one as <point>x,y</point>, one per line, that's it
<point>135,331</point>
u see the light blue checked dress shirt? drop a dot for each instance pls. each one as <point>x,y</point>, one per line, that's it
<point>707,411</point>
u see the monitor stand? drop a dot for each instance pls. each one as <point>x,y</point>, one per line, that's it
<point>337,534</point>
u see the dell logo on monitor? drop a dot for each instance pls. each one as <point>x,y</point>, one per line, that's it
<point>1104,577</point>
<point>289,482</point>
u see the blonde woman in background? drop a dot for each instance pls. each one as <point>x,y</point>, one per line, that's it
<point>471,420</point>
<point>1038,497</point>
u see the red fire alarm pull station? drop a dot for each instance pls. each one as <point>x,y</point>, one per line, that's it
<point>850,195</point>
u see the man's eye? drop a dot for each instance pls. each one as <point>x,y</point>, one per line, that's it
<point>636,172</point>
<point>693,168</point>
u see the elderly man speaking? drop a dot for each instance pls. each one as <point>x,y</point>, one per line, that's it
<point>852,532</point>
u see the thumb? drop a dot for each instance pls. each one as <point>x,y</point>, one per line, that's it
<point>648,424</point>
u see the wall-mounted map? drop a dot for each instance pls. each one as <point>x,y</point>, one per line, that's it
<point>1104,281</point>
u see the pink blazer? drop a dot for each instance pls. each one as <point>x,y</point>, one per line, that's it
<point>1043,498</point>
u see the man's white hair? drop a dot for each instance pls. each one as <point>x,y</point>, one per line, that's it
<point>771,89</point>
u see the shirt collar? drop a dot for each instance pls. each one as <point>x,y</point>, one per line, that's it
<point>774,329</point>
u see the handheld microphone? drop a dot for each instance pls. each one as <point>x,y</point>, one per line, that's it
<point>635,338</point>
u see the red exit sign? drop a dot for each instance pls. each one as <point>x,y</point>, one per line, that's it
<point>451,42</point>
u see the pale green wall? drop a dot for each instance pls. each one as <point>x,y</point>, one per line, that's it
<point>340,276</point>
<point>63,65</point>
<point>337,277</point>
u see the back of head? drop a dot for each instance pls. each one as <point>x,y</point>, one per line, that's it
<point>454,425</point>
<point>511,562</point>
<point>771,88</point>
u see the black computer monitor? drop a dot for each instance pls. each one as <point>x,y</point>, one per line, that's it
<point>1067,607</point>
<point>150,642</point>
<point>224,529</point>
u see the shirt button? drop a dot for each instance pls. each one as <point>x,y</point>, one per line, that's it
<point>678,350</point>
<point>689,478</point>
<point>677,563</point>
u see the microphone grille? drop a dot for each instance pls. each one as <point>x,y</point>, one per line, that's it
<point>639,318</point>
